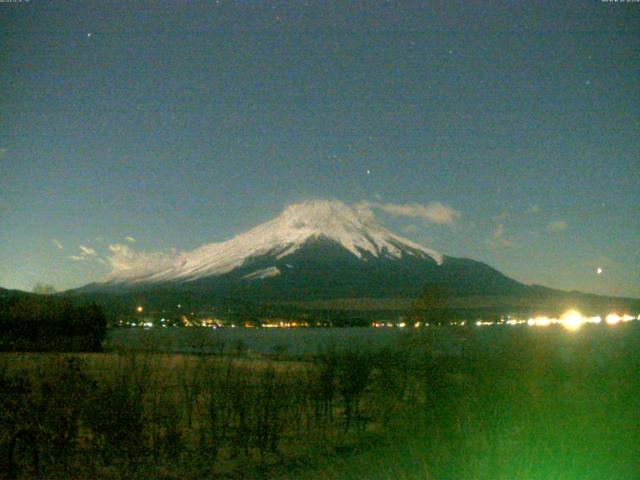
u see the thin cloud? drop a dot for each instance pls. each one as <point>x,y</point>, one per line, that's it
<point>57,243</point>
<point>118,247</point>
<point>498,237</point>
<point>87,251</point>
<point>434,212</point>
<point>557,226</point>
<point>411,228</point>
<point>130,239</point>
<point>124,258</point>
<point>365,210</point>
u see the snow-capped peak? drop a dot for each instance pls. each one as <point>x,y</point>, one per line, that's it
<point>353,228</point>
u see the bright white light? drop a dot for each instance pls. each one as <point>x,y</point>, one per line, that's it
<point>513,321</point>
<point>626,318</point>
<point>542,321</point>
<point>613,318</point>
<point>599,271</point>
<point>572,320</point>
<point>139,309</point>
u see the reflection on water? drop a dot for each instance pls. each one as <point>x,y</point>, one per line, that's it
<point>305,341</point>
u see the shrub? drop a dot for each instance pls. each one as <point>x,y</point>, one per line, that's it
<point>115,411</point>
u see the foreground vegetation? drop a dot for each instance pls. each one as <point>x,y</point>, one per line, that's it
<point>539,403</point>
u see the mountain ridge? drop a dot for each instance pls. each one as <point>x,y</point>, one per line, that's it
<point>279,237</point>
<point>319,253</point>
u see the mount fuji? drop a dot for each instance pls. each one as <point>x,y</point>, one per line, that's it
<point>295,229</point>
<point>314,250</point>
<point>325,256</point>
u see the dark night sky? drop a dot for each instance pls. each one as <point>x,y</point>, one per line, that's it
<point>182,123</point>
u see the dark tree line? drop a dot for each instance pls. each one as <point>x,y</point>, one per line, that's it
<point>34,323</point>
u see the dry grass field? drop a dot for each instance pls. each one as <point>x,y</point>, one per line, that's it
<point>541,404</point>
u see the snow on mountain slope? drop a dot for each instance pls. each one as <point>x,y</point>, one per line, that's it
<point>263,273</point>
<point>336,221</point>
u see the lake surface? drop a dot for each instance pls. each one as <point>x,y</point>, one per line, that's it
<point>309,341</point>
<point>295,341</point>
